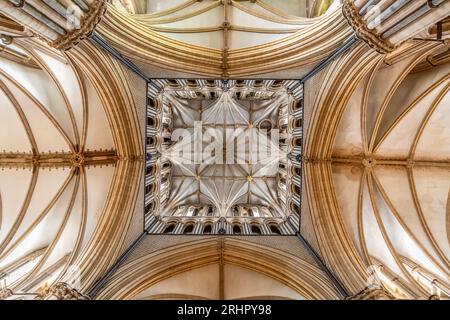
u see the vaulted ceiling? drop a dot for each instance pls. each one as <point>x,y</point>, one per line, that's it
<point>240,162</point>
<point>206,23</point>
<point>376,195</point>
<point>391,170</point>
<point>57,159</point>
<point>227,38</point>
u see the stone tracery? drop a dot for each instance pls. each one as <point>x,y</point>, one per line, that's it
<point>231,178</point>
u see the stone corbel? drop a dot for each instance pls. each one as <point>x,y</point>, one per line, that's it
<point>5,293</point>
<point>373,39</point>
<point>61,291</point>
<point>88,24</point>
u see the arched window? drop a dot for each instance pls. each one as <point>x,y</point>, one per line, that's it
<point>149,170</point>
<point>166,165</point>
<point>207,229</point>
<point>237,229</point>
<point>266,125</point>
<point>150,188</point>
<point>256,229</point>
<point>150,207</point>
<point>169,228</point>
<point>295,208</point>
<point>151,141</point>
<point>151,102</point>
<point>188,229</point>
<point>275,230</point>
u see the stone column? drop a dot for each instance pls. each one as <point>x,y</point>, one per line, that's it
<point>384,25</point>
<point>61,24</point>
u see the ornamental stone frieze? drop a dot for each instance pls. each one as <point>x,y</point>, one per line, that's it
<point>62,25</point>
<point>61,291</point>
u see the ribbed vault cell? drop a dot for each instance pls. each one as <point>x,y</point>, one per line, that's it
<point>223,157</point>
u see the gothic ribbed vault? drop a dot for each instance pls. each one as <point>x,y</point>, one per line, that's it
<point>220,156</point>
<point>89,166</point>
<point>57,160</point>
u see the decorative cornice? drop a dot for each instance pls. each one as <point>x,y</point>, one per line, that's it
<point>92,18</point>
<point>61,291</point>
<point>373,293</point>
<point>373,39</point>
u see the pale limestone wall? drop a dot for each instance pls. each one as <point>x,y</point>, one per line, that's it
<point>238,283</point>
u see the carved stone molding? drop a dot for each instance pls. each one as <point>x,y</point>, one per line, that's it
<point>373,39</point>
<point>61,291</point>
<point>77,160</point>
<point>5,293</point>
<point>88,24</point>
<point>373,293</point>
<point>63,159</point>
<point>369,162</point>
